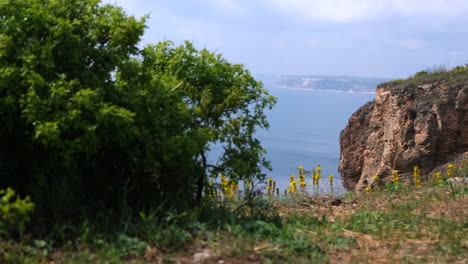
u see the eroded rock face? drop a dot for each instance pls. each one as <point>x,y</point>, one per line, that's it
<point>406,125</point>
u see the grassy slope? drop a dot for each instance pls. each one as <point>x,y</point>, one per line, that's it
<point>396,224</point>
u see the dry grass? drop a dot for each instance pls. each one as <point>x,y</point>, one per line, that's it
<point>421,244</point>
<point>425,225</point>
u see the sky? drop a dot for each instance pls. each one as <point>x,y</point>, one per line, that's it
<point>370,38</point>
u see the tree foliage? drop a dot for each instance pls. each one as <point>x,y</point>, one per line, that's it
<point>89,119</point>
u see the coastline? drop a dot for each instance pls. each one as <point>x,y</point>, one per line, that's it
<point>322,90</point>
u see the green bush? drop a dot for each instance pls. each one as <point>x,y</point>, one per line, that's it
<point>421,73</point>
<point>93,124</point>
<point>14,213</point>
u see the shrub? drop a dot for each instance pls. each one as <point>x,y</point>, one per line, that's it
<point>14,212</point>
<point>93,123</point>
<point>421,73</point>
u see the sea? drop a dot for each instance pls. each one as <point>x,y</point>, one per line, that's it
<point>305,127</point>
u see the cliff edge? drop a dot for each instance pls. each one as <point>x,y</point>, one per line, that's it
<point>421,121</point>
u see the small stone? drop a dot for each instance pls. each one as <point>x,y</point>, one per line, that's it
<point>457,180</point>
<point>199,256</point>
<point>426,86</point>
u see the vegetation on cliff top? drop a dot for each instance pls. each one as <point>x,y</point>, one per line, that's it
<point>454,76</point>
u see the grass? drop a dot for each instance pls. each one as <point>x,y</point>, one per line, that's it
<point>454,76</point>
<point>394,224</point>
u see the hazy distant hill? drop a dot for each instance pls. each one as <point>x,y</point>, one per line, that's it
<point>331,83</point>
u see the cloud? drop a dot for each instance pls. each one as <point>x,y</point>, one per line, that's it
<point>371,37</point>
<point>345,11</point>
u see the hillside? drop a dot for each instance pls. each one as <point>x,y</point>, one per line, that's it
<point>392,224</point>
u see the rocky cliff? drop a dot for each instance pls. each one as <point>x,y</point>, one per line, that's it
<point>416,122</point>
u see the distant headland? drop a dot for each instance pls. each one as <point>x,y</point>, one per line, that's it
<point>347,84</point>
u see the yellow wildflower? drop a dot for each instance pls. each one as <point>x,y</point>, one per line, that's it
<point>330,178</point>
<point>451,167</point>
<point>302,181</point>
<point>316,175</point>
<point>269,187</point>
<point>229,187</point>
<point>292,185</point>
<point>417,181</point>
<point>395,177</point>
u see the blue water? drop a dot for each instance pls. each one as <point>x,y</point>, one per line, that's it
<point>304,131</point>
